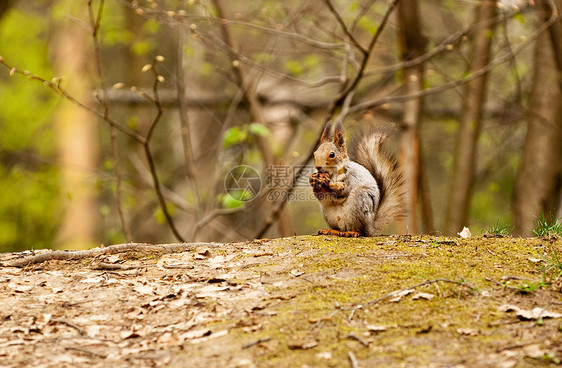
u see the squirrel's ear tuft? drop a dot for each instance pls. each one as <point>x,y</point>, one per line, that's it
<point>327,133</point>
<point>339,137</point>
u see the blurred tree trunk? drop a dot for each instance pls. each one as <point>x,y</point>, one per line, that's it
<point>5,5</point>
<point>539,174</point>
<point>77,134</point>
<point>412,45</point>
<point>470,119</point>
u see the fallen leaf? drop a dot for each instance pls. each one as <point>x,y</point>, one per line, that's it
<point>296,273</point>
<point>398,295</point>
<point>113,258</point>
<point>465,233</point>
<point>421,295</point>
<point>535,260</point>
<point>527,315</point>
<point>468,332</point>
<point>376,329</point>
<point>302,345</point>
<point>324,355</point>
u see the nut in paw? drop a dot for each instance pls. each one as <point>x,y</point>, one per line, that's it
<point>319,180</point>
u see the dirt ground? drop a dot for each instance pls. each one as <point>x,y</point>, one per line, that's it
<point>307,301</point>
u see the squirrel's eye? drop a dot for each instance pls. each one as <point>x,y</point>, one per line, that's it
<point>332,155</point>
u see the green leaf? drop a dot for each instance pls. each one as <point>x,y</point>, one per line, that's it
<point>258,129</point>
<point>229,201</point>
<point>294,67</point>
<point>519,17</point>
<point>234,136</point>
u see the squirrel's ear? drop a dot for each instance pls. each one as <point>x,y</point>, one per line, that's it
<point>327,133</point>
<point>339,137</point>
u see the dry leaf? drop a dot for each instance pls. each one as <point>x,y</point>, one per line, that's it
<point>296,273</point>
<point>468,332</point>
<point>421,295</point>
<point>302,345</point>
<point>400,294</point>
<point>375,328</point>
<point>465,233</point>
<point>535,260</point>
<point>527,315</point>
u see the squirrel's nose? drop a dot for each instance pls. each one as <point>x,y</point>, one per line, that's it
<point>319,168</point>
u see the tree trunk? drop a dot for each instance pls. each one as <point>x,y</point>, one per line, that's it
<point>78,137</point>
<point>540,169</point>
<point>471,116</point>
<point>412,45</point>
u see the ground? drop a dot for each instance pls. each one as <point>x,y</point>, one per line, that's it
<point>306,301</point>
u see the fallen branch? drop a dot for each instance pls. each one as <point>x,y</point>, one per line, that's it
<point>118,248</point>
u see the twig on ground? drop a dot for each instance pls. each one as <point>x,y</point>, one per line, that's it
<point>118,248</point>
<point>258,341</point>
<point>352,360</point>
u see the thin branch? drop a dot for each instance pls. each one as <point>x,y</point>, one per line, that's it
<point>341,99</point>
<point>55,85</point>
<point>148,153</point>
<point>476,74</point>
<point>344,27</point>
<point>95,24</point>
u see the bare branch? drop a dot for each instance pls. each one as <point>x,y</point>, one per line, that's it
<point>55,85</point>
<point>95,24</point>
<point>344,27</point>
<point>476,74</point>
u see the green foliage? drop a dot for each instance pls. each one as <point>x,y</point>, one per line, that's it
<point>242,135</point>
<point>233,199</point>
<point>30,209</point>
<point>552,268</point>
<point>499,229</point>
<point>544,227</point>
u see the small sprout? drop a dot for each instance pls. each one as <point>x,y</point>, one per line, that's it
<point>142,94</point>
<point>1,59</point>
<point>160,58</point>
<point>193,26</point>
<point>182,13</point>
<point>118,85</point>
<point>146,68</point>
<point>235,63</point>
<point>139,11</point>
<point>154,6</point>
<point>47,83</point>
<point>12,72</point>
<point>134,89</point>
<point>171,14</point>
<point>449,47</point>
<point>160,79</point>
<point>26,73</point>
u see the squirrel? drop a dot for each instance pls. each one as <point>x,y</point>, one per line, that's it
<point>358,196</point>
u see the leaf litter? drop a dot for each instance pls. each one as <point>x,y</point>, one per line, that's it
<point>292,302</point>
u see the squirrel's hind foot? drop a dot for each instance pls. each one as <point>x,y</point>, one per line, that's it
<point>344,234</point>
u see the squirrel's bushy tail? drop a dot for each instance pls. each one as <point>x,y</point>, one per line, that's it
<point>367,149</point>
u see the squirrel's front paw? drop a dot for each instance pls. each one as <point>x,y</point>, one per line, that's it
<point>336,187</point>
<point>319,180</point>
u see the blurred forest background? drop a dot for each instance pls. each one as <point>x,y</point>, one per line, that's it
<point>120,120</point>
